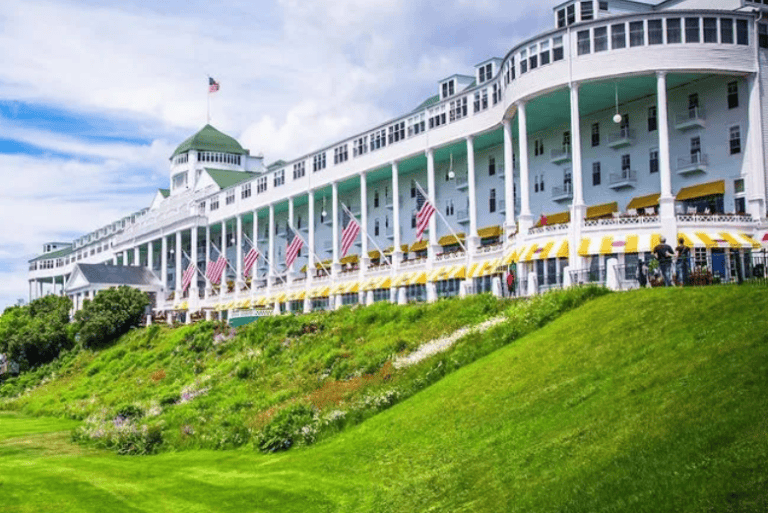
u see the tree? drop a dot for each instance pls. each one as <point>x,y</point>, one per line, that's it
<point>110,314</point>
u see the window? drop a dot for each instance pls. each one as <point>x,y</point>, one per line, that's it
<point>740,206</point>
<point>541,183</point>
<point>397,132</point>
<point>261,185</point>
<point>691,30</point>
<point>733,95</point>
<point>653,122</point>
<point>448,89</point>
<point>416,125</point>
<point>710,30</point>
<point>298,170</point>
<point>655,32</point>
<point>413,220</point>
<point>695,149</point>
<point>726,31</point>
<point>230,197</point>
<point>318,162</point>
<point>742,32</point>
<point>738,186</point>
<point>538,147</point>
<point>587,12</point>
<point>492,201</point>
<point>376,228</point>
<point>636,33</point>
<point>360,146</point>
<point>534,56</point>
<point>596,173</point>
<point>583,42</point>
<point>618,36</point>
<point>496,93</point>
<point>481,100</point>
<point>571,14</point>
<point>561,18</point>
<point>544,53</point>
<point>595,134</point>
<point>376,198</point>
<point>523,61</point>
<point>557,49</point>
<point>437,116</point>
<point>245,191</point>
<point>567,141</point>
<point>378,139</point>
<point>735,140</point>
<point>693,105</point>
<point>762,35</point>
<point>481,75</point>
<point>279,177</point>
<point>674,31</point>
<point>601,39</point>
<point>413,188</point>
<point>491,166</point>
<point>458,109</point>
<point>449,207</point>
<point>624,126</point>
<point>340,154</point>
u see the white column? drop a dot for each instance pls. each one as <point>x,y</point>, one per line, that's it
<point>272,263</point>
<point>364,260</point>
<point>254,239</point>
<point>207,260</point>
<point>289,271</point>
<point>193,289</point>
<point>179,271</point>
<point>666,201</point>
<point>471,240</point>
<point>150,254</point>
<point>223,248</point>
<point>578,181</point>
<point>397,255</point>
<point>525,191</point>
<point>239,282</point>
<point>163,261</point>
<point>431,193</point>
<point>755,154</point>
<point>136,256</point>
<point>31,286</point>
<point>310,237</point>
<point>509,177</point>
<point>336,266</point>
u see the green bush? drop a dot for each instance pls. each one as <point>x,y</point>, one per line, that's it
<point>111,313</point>
<point>287,429</point>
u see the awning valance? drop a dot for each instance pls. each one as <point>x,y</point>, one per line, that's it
<point>489,231</point>
<point>558,218</point>
<point>419,245</point>
<point>447,240</point>
<point>419,278</point>
<point>701,190</point>
<point>552,248</point>
<point>374,255</point>
<point>649,200</point>
<point>350,259</point>
<point>734,240</point>
<point>609,244</point>
<point>598,211</point>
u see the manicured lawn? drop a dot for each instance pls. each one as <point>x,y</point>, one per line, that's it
<point>652,401</point>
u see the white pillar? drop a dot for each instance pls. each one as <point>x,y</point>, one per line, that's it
<point>136,256</point>
<point>397,255</point>
<point>509,177</point>
<point>526,220</point>
<point>289,271</point>
<point>471,240</point>
<point>179,271</point>
<point>310,239</point>
<point>239,283</point>
<point>254,238</point>
<point>336,266</point>
<point>31,290</point>
<point>150,254</point>
<point>755,155</point>
<point>207,261</point>
<point>223,248</point>
<point>272,269</point>
<point>193,289</point>
<point>431,193</point>
<point>163,261</point>
<point>364,260</point>
<point>578,209</point>
<point>666,201</point>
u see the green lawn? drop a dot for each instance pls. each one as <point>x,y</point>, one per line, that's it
<point>653,400</point>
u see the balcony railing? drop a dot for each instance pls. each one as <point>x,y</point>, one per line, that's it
<point>692,117</point>
<point>462,216</point>
<point>560,155</point>
<point>624,137</point>
<point>562,193</point>
<point>694,163</point>
<point>503,207</point>
<point>462,182</point>
<point>627,178</point>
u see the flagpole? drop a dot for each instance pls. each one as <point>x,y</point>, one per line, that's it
<point>297,234</point>
<point>455,236</point>
<point>365,230</point>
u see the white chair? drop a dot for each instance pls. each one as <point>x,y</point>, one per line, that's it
<point>706,211</point>
<point>632,211</point>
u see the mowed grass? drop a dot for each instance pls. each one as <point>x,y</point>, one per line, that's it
<point>653,400</point>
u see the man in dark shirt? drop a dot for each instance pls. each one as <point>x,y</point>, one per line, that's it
<point>664,253</point>
<point>683,261</point>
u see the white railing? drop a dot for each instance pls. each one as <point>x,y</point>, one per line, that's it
<point>490,248</point>
<point>739,219</point>
<point>692,114</point>
<point>625,134</point>
<point>563,153</point>
<point>566,191</point>
<point>549,228</point>
<point>462,216</point>
<point>627,176</point>
<point>622,220</point>
<point>695,159</point>
<point>462,182</point>
<point>453,255</point>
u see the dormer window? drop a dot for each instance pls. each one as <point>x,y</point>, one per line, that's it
<point>587,10</point>
<point>484,73</point>
<point>449,88</point>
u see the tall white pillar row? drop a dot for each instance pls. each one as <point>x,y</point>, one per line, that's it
<point>310,249</point>
<point>754,174</point>
<point>336,266</point>
<point>364,260</point>
<point>164,261</point>
<point>397,255</point>
<point>526,220</point>
<point>272,263</point>
<point>509,179</point>
<point>193,288</point>
<point>179,271</point>
<point>472,237</point>
<point>578,209</point>
<point>239,282</point>
<point>432,199</point>
<point>224,286</point>
<point>208,288</point>
<point>666,200</point>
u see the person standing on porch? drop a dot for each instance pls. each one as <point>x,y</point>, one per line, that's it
<point>683,261</point>
<point>664,253</point>
<point>511,280</point>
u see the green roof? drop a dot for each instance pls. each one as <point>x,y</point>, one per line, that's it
<point>210,139</point>
<point>428,102</point>
<point>54,254</point>
<point>224,178</point>
<point>164,192</point>
<point>275,165</point>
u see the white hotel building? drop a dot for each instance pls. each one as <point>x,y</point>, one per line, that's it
<point>584,144</point>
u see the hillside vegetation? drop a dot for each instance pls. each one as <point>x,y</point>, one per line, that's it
<point>648,401</point>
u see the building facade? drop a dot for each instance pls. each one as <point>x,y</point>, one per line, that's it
<point>625,123</point>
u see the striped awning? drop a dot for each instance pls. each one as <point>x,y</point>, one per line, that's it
<point>350,259</point>
<point>448,240</point>
<point>417,278</point>
<point>401,279</point>
<point>447,272</point>
<point>558,218</point>
<point>374,255</point>
<point>510,257</point>
<point>485,268</point>
<point>735,240</point>
<point>181,306</point>
<point>419,245</point>
<point>701,190</point>
<point>552,248</point>
<point>610,244</point>
<point>649,200</point>
<point>320,292</point>
<point>598,211</point>
<point>260,301</point>
<point>489,231</point>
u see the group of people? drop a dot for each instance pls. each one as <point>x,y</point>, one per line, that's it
<point>664,255</point>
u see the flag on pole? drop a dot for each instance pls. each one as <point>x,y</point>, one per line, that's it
<point>293,249</point>
<point>186,279</point>
<point>349,235</point>
<point>422,218</point>
<point>215,270</point>
<point>213,86</point>
<point>250,260</point>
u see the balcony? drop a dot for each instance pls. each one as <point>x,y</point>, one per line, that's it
<point>503,207</point>
<point>691,118</point>
<point>622,138</point>
<point>389,232</point>
<point>563,193</point>
<point>389,202</point>
<point>627,178</point>
<point>462,182</point>
<point>462,216</point>
<point>695,163</point>
<point>561,155</point>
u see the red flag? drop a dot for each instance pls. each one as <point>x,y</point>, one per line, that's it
<point>293,250</point>
<point>213,86</point>
<point>187,278</point>
<point>349,235</point>
<point>215,270</point>
<point>423,217</point>
<point>250,260</point>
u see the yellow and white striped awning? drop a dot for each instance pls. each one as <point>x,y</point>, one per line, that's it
<point>323,291</point>
<point>485,268</point>
<point>349,287</point>
<point>181,306</point>
<point>612,244</point>
<point>260,301</point>
<point>733,240</point>
<point>551,248</point>
<point>380,282</point>
<point>447,272</point>
<point>417,278</point>
<point>244,304</point>
<point>401,279</point>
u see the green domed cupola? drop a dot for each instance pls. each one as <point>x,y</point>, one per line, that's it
<point>210,139</point>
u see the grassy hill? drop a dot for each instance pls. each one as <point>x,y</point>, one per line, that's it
<point>651,400</point>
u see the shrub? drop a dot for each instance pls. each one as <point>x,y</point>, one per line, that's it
<point>287,429</point>
<point>111,313</point>
<point>120,434</point>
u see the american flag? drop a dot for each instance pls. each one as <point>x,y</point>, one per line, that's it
<point>349,235</point>
<point>213,86</point>
<point>250,260</point>
<point>293,249</point>
<point>422,218</point>
<point>187,278</point>
<point>215,270</point>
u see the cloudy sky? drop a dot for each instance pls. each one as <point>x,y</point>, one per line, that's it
<point>95,95</point>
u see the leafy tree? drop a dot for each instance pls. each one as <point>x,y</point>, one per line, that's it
<point>110,314</point>
<point>35,334</point>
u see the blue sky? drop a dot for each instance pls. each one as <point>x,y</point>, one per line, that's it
<point>95,95</point>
